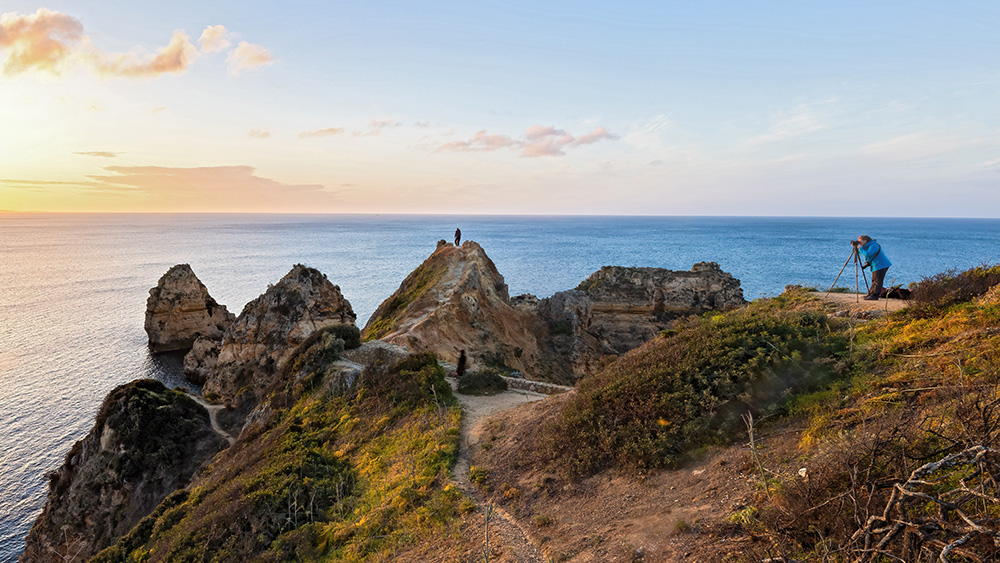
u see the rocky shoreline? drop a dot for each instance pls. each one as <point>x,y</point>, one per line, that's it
<point>149,442</point>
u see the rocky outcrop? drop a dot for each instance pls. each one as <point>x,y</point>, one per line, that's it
<point>628,306</point>
<point>457,300</point>
<point>180,310</point>
<point>147,442</point>
<point>201,359</point>
<point>267,332</point>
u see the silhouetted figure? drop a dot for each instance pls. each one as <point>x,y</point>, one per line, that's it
<point>458,237</point>
<point>460,368</point>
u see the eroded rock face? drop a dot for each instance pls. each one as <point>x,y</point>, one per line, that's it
<point>180,310</point>
<point>147,442</point>
<point>201,359</point>
<point>629,306</point>
<point>457,300</point>
<point>257,345</point>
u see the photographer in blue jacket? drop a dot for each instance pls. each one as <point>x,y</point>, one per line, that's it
<point>872,256</point>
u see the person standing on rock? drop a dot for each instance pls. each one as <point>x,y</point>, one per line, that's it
<point>458,237</point>
<point>462,361</point>
<point>872,256</point>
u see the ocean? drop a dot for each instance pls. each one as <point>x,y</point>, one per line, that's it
<point>73,289</point>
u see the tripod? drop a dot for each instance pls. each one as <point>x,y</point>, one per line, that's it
<point>857,260</point>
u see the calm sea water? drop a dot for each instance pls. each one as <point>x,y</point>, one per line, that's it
<point>73,289</point>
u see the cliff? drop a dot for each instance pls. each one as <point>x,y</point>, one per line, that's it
<point>147,441</point>
<point>180,310</point>
<point>266,333</point>
<point>457,300</point>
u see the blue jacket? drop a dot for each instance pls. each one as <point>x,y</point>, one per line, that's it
<point>872,255</point>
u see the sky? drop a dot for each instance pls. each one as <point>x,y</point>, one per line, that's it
<point>884,109</point>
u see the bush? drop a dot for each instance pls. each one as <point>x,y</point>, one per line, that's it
<point>486,381</point>
<point>952,287</point>
<point>678,393</point>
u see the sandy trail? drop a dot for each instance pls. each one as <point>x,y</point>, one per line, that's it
<point>213,411</point>
<point>505,532</point>
<point>855,302</point>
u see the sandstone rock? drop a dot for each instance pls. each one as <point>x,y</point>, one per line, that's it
<point>147,442</point>
<point>267,332</point>
<point>180,310</point>
<point>632,305</point>
<point>201,358</point>
<point>457,300</point>
<point>376,352</point>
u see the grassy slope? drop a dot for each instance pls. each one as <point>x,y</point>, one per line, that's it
<point>874,401</point>
<point>359,478</point>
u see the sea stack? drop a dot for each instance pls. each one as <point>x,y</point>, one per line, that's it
<point>255,348</point>
<point>180,310</point>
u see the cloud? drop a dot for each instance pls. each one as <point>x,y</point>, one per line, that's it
<point>328,132</point>
<point>175,58</point>
<point>213,188</point>
<point>539,140</point>
<point>800,121</point>
<point>103,154</point>
<point>44,40</point>
<point>259,133</point>
<point>247,56</point>
<point>54,42</point>
<point>375,127</point>
<point>214,38</point>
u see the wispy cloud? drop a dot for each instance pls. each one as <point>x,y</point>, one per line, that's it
<point>53,42</point>
<point>213,188</point>
<point>538,140</point>
<point>376,126</point>
<point>247,56</point>
<point>103,154</point>
<point>259,133</point>
<point>328,132</point>
<point>174,58</point>
<point>799,121</point>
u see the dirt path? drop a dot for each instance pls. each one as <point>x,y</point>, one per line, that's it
<point>213,412</point>
<point>854,303</point>
<point>505,532</point>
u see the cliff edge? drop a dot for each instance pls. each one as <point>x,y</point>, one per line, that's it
<point>147,442</point>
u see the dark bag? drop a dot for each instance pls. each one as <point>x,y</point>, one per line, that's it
<point>896,292</point>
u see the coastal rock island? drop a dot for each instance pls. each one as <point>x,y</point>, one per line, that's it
<point>180,310</point>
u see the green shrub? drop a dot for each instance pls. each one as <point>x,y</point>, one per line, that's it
<point>486,381</point>
<point>675,394</point>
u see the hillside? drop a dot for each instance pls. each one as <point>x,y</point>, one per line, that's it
<point>878,442</point>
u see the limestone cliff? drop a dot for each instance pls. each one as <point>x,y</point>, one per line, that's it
<point>258,344</point>
<point>180,310</point>
<point>147,442</point>
<point>457,300</point>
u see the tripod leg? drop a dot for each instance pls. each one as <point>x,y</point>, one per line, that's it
<point>857,294</point>
<point>840,272</point>
<point>864,276</point>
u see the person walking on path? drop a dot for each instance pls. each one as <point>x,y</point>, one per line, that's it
<point>460,368</point>
<point>458,237</point>
<point>872,256</point>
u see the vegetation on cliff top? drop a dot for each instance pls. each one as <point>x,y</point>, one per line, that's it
<point>689,388</point>
<point>413,288</point>
<point>330,478</point>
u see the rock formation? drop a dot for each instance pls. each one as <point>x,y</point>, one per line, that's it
<point>266,333</point>
<point>147,442</point>
<point>457,300</point>
<point>180,310</point>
